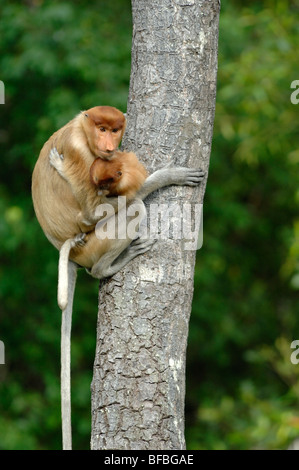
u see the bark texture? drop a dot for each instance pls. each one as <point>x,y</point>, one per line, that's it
<point>138,387</point>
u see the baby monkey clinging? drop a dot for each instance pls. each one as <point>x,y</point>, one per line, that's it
<point>123,175</point>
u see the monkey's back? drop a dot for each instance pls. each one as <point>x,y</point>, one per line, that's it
<point>55,206</point>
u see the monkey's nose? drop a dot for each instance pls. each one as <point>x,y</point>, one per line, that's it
<point>109,147</point>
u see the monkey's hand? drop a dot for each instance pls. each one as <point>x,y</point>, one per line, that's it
<point>182,176</point>
<point>56,160</point>
<point>103,192</point>
<point>170,175</point>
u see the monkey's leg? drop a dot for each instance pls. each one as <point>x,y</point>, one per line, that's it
<point>85,225</point>
<point>109,264</point>
<point>170,175</point>
<point>122,250</point>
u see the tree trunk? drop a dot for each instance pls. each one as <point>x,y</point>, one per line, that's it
<point>138,387</point>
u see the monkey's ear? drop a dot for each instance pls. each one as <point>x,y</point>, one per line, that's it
<point>84,113</point>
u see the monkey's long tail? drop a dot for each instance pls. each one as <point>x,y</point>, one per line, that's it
<point>66,326</point>
<point>67,273</point>
<point>63,278</point>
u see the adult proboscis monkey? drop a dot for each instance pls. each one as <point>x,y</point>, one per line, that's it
<point>65,200</point>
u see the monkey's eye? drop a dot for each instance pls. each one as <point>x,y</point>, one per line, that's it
<point>114,131</point>
<point>102,129</point>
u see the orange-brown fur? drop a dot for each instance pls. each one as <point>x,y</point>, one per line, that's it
<point>65,196</point>
<point>58,202</point>
<point>123,175</point>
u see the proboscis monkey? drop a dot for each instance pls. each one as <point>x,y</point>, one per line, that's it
<point>122,175</point>
<point>65,201</point>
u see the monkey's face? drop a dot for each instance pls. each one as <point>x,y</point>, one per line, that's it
<point>104,127</point>
<point>106,174</point>
<point>107,141</point>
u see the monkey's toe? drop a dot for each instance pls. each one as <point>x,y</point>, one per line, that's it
<point>139,246</point>
<point>80,239</point>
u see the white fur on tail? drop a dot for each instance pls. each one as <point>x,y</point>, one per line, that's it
<point>62,294</point>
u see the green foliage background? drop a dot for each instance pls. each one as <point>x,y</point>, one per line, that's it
<point>57,57</point>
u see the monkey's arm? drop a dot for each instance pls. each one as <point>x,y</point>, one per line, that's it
<point>170,175</point>
<point>88,198</point>
<point>110,263</point>
<point>166,176</point>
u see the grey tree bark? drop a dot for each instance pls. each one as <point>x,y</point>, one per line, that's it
<point>138,387</point>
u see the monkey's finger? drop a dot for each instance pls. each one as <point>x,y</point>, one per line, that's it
<point>137,240</point>
<point>142,249</point>
<point>53,155</point>
<point>196,172</point>
<point>191,183</point>
<point>196,177</point>
<point>140,245</point>
<point>193,180</point>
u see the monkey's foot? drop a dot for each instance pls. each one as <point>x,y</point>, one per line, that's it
<point>80,239</point>
<point>107,267</point>
<point>138,247</point>
<point>56,160</point>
